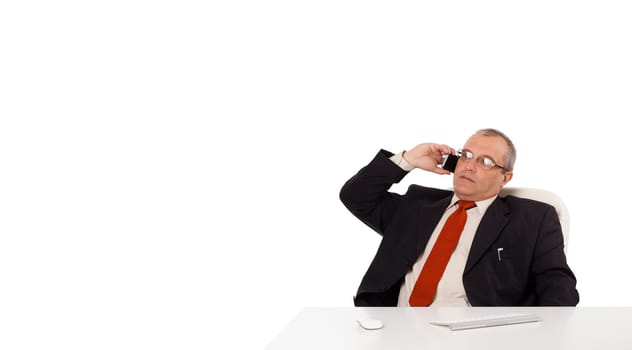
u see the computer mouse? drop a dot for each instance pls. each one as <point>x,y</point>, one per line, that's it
<point>370,324</point>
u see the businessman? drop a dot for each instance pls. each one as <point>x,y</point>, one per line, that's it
<point>466,247</point>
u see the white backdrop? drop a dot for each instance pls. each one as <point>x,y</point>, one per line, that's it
<point>170,170</point>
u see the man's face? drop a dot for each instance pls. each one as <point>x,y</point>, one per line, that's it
<point>471,180</point>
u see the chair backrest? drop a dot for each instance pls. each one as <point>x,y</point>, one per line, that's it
<point>546,197</point>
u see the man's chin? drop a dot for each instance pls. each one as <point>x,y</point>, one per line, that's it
<point>464,190</point>
<point>463,186</point>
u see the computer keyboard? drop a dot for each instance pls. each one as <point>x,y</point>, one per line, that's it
<point>487,321</point>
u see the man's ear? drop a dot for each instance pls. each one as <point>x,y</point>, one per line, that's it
<point>507,177</point>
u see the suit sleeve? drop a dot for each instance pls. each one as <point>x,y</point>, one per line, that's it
<point>555,283</point>
<point>366,194</point>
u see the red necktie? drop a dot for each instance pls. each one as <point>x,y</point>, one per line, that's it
<point>426,285</point>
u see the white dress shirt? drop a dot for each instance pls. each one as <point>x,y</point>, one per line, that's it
<point>450,291</point>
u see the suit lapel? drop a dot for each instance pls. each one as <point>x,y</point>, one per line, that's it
<point>427,222</point>
<point>491,225</point>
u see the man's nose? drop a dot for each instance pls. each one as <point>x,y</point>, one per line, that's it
<point>470,165</point>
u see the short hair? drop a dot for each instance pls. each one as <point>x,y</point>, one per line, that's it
<point>510,157</point>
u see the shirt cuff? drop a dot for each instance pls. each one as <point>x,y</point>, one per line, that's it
<point>401,162</point>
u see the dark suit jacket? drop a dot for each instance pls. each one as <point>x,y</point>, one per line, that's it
<point>533,269</point>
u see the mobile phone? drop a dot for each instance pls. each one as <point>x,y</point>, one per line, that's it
<point>449,162</point>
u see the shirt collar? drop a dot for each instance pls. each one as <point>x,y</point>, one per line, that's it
<point>481,206</point>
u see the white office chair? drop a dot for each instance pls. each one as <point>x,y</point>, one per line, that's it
<point>546,197</point>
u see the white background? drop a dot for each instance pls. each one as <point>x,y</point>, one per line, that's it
<point>170,169</point>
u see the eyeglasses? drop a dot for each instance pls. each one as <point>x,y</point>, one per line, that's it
<point>483,161</point>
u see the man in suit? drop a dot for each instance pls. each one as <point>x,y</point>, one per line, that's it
<point>510,251</point>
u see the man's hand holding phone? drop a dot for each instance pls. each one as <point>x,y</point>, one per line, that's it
<point>428,156</point>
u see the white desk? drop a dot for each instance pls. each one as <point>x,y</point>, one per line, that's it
<point>602,328</point>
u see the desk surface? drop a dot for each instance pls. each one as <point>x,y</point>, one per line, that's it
<point>409,328</point>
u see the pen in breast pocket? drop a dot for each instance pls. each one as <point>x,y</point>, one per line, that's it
<point>499,250</point>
